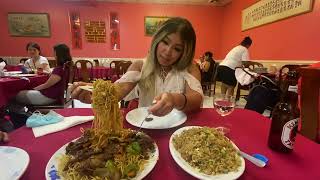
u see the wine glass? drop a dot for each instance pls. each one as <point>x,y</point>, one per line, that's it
<point>224,105</point>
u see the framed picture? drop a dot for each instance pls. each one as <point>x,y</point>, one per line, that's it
<point>152,23</point>
<point>29,24</point>
<point>269,11</point>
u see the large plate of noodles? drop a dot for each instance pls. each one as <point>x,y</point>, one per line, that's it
<point>141,164</point>
<point>107,150</point>
<point>205,153</point>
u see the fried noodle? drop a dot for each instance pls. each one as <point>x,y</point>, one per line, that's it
<point>106,151</point>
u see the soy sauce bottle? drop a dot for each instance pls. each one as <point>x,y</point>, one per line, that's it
<point>285,116</point>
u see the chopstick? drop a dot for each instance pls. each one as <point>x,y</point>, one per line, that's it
<point>87,88</point>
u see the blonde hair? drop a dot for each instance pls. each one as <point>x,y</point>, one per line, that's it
<point>151,66</point>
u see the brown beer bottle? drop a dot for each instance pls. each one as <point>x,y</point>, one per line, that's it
<point>285,116</point>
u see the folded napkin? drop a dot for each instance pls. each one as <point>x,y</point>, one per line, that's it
<point>66,123</point>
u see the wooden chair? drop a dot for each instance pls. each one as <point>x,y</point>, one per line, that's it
<point>310,93</point>
<point>52,62</point>
<point>215,78</point>
<point>207,85</point>
<point>123,67</point>
<point>85,70</point>
<point>64,101</point>
<point>251,65</point>
<point>96,62</point>
<point>23,60</point>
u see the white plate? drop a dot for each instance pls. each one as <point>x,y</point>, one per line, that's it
<point>23,75</point>
<point>196,173</point>
<point>51,171</point>
<point>173,119</point>
<point>8,73</point>
<point>13,162</point>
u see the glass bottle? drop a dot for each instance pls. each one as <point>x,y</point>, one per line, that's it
<point>285,117</point>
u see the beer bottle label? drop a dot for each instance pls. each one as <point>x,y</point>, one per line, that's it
<point>293,89</point>
<point>288,136</point>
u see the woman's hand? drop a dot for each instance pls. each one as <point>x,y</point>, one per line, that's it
<point>4,137</point>
<point>80,94</point>
<point>163,106</point>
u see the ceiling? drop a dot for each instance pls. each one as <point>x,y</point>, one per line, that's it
<point>190,2</point>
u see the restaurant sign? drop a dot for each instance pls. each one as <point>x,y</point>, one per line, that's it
<point>268,11</point>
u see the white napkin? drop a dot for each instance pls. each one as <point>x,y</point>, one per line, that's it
<point>66,123</point>
<point>2,65</point>
<point>243,77</point>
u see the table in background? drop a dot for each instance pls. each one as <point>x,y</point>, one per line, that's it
<point>13,67</point>
<point>10,86</point>
<point>97,72</point>
<point>249,132</point>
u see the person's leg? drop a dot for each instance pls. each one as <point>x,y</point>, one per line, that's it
<point>224,88</point>
<point>33,97</point>
<point>230,90</point>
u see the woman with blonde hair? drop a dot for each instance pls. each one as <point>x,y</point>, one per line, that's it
<point>167,76</point>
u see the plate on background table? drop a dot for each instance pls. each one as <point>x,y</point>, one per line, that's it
<point>51,171</point>
<point>13,162</point>
<point>9,73</point>
<point>195,172</point>
<point>173,119</point>
<point>23,75</point>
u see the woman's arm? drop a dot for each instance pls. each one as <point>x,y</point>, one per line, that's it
<point>4,137</point>
<point>53,79</point>
<point>191,100</point>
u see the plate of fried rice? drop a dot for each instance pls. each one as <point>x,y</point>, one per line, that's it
<point>206,153</point>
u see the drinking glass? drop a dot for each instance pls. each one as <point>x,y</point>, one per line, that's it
<point>224,105</point>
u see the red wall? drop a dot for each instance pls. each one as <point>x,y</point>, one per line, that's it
<point>294,38</point>
<point>206,21</point>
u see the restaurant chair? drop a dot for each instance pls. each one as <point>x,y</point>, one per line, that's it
<point>85,72</point>
<point>251,65</point>
<point>96,62</point>
<point>64,101</point>
<point>215,79</point>
<point>113,65</point>
<point>206,85</point>
<point>123,67</point>
<point>23,60</point>
<point>52,62</point>
<point>309,103</point>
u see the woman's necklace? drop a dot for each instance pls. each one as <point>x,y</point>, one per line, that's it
<point>163,73</point>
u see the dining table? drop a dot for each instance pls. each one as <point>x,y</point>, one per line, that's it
<point>249,131</point>
<point>96,72</point>
<point>10,86</point>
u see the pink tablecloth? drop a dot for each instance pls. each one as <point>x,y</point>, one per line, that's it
<point>249,132</point>
<point>10,87</point>
<point>13,67</point>
<point>98,72</point>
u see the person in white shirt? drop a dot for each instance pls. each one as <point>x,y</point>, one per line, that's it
<point>167,76</point>
<point>233,60</point>
<point>36,62</point>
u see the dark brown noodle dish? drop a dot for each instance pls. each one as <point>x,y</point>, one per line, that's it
<point>207,150</point>
<point>106,151</point>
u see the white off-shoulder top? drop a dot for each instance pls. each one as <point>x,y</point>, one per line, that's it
<point>175,82</point>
